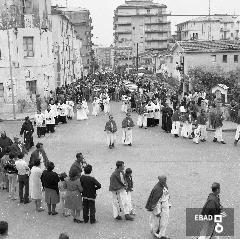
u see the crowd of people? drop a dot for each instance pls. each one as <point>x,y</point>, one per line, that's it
<point>75,192</point>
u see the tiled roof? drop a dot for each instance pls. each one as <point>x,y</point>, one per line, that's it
<point>220,18</point>
<point>208,46</point>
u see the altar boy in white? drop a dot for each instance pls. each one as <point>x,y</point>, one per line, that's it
<point>95,106</point>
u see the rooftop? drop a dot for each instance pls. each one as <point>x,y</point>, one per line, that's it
<point>140,4</point>
<point>208,46</point>
<point>217,18</point>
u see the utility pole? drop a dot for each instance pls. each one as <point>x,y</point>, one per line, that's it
<point>137,59</point>
<point>10,62</point>
<point>209,18</point>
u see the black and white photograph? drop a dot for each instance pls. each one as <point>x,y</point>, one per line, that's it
<point>119,119</point>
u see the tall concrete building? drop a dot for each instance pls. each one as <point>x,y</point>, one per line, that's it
<point>209,28</point>
<point>140,24</point>
<point>104,56</point>
<point>82,23</point>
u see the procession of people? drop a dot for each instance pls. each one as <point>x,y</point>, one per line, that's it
<point>151,104</point>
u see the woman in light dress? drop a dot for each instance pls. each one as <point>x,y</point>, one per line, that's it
<point>106,104</point>
<point>96,107</point>
<point>125,103</point>
<point>85,106</point>
<point>35,185</point>
<point>81,112</point>
<point>70,109</point>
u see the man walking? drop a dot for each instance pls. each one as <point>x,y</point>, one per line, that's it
<point>212,207</point>
<point>119,193</point>
<point>27,131</point>
<point>23,178</point>
<point>159,206</point>
<point>127,126</point>
<point>111,129</point>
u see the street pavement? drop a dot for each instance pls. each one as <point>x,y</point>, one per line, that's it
<point>190,169</point>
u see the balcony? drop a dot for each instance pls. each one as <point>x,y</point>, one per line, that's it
<point>158,23</point>
<point>156,30</point>
<point>142,14</point>
<point>123,31</point>
<point>123,23</point>
<point>157,39</point>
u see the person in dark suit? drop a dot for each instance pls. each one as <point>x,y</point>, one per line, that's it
<point>39,153</point>
<point>17,148</point>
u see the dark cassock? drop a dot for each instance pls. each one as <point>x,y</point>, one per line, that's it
<point>169,114</point>
<point>27,132</point>
<point>164,117</point>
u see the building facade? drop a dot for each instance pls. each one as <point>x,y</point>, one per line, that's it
<point>139,26</point>
<point>215,55</point>
<point>30,46</point>
<point>209,28</point>
<point>82,23</point>
<point>68,65</point>
<point>104,56</point>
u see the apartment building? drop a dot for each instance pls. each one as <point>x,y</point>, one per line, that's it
<point>209,28</point>
<point>140,25</point>
<point>68,65</point>
<point>82,23</point>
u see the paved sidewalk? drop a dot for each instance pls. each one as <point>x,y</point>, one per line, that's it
<point>19,116</point>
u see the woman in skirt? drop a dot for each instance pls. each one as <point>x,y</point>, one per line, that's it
<point>73,198</point>
<point>50,181</point>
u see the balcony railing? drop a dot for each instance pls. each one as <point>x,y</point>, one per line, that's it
<point>156,30</point>
<point>123,31</point>
<point>157,39</point>
<point>123,23</point>
<point>157,23</point>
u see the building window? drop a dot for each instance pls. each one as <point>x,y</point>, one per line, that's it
<point>148,11</point>
<point>31,87</point>
<point>225,58</point>
<point>214,58</point>
<point>235,58</point>
<point>28,46</point>
<point>1,90</point>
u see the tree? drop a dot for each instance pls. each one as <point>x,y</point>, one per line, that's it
<point>203,78</point>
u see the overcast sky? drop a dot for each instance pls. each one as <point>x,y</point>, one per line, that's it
<point>102,12</point>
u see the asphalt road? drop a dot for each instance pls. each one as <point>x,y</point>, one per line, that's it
<point>190,169</point>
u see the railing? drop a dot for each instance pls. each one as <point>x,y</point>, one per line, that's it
<point>157,30</point>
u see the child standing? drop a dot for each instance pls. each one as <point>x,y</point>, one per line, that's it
<point>62,192</point>
<point>89,185</point>
<point>129,182</point>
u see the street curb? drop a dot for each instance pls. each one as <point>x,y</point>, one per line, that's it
<point>12,120</point>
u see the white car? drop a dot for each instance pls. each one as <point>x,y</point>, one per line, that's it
<point>131,87</point>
